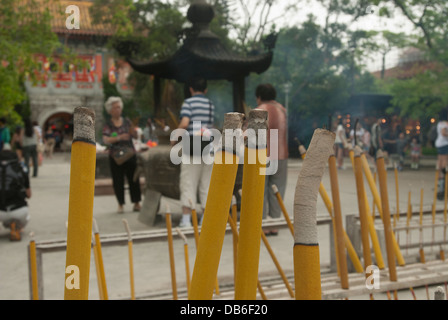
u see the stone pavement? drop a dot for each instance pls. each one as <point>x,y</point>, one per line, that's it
<point>49,210</point>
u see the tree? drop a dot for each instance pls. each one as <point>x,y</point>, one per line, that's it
<point>392,40</point>
<point>25,31</point>
<point>424,94</point>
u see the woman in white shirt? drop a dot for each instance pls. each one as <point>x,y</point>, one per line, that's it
<point>30,139</point>
<point>340,143</point>
<point>441,144</point>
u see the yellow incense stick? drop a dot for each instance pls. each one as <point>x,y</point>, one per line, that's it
<point>169,230</point>
<point>214,224</point>
<point>131,258</point>
<point>187,258</point>
<point>234,229</point>
<point>282,206</point>
<point>362,209</point>
<point>99,254</point>
<point>33,266</point>
<point>80,213</point>
<point>338,222</point>
<point>254,170</point>
<point>382,178</point>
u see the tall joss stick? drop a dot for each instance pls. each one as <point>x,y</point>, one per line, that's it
<point>369,219</point>
<point>169,229</point>
<point>232,223</point>
<point>421,250</point>
<point>434,207</point>
<point>251,216</point>
<point>187,258</point>
<point>408,220</point>
<point>338,222</point>
<point>99,253</point>
<point>382,178</point>
<point>97,269</point>
<point>277,264</point>
<point>306,246</point>
<point>218,203</point>
<point>80,213</point>
<point>362,209</point>
<point>377,198</point>
<point>373,201</point>
<point>131,258</point>
<point>194,219</point>
<point>445,198</point>
<point>397,194</point>
<point>234,235</point>
<point>421,217</point>
<point>282,206</point>
<point>33,267</point>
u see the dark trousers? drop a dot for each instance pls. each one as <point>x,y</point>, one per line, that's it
<point>118,173</point>
<point>31,152</point>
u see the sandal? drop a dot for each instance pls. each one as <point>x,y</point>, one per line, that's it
<point>15,233</point>
<point>137,207</point>
<point>120,209</point>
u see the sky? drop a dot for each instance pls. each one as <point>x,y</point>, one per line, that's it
<point>288,18</point>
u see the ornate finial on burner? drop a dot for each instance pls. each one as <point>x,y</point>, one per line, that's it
<point>200,12</point>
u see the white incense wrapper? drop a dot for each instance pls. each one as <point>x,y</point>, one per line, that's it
<point>307,188</point>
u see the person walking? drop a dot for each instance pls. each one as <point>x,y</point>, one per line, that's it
<point>277,120</point>
<point>340,143</point>
<point>376,140</point>
<point>196,115</point>
<point>416,153</point>
<point>442,151</point>
<point>118,133</point>
<point>16,142</point>
<point>5,135</point>
<point>49,142</point>
<point>29,144</point>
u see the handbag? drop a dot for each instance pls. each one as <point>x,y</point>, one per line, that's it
<point>122,153</point>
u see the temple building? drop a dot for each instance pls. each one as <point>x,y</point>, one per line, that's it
<point>64,86</point>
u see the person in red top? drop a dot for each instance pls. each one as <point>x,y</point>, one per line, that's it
<point>278,151</point>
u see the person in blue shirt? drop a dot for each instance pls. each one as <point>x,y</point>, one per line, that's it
<point>196,115</point>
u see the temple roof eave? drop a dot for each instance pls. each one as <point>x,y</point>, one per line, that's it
<point>224,68</point>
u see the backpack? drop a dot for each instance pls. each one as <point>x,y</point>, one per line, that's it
<point>12,182</point>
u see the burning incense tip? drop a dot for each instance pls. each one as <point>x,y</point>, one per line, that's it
<point>84,124</point>
<point>233,122</point>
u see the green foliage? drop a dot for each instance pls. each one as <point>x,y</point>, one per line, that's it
<point>319,67</point>
<point>25,31</point>
<point>424,94</point>
<point>429,151</point>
